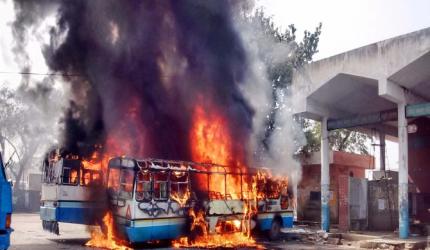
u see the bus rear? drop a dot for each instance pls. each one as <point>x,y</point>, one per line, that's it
<point>70,193</point>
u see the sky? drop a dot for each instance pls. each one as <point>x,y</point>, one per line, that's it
<point>33,47</point>
<point>349,24</point>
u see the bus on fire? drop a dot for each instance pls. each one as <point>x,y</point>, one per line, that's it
<point>151,199</point>
<point>71,192</point>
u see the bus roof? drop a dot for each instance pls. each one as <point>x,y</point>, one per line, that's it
<point>160,164</point>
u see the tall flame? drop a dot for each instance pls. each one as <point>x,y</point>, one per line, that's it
<point>211,142</point>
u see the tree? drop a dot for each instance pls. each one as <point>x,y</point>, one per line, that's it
<point>340,140</point>
<point>28,118</point>
<point>280,75</point>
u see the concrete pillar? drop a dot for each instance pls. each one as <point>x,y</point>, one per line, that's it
<point>325,177</point>
<point>382,150</point>
<point>403,172</point>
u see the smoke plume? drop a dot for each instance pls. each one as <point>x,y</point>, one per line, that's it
<point>137,70</point>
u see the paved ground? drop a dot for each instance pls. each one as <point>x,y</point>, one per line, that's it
<point>28,234</point>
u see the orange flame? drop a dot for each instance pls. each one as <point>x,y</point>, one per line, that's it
<point>182,200</point>
<point>211,142</point>
<point>220,240</point>
<point>121,139</point>
<point>107,239</point>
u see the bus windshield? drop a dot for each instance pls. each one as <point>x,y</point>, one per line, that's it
<point>120,183</point>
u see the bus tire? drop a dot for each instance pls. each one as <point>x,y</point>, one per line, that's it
<point>54,228</point>
<point>275,230</point>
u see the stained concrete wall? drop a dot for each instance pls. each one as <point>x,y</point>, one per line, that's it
<point>419,169</point>
<point>341,164</point>
<point>383,212</point>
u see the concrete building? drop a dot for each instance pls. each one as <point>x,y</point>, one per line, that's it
<point>342,165</point>
<point>380,87</point>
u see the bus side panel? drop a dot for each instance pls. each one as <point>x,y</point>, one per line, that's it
<point>71,204</point>
<point>78,212</point>
<point>48,213</point>
<point>265,220</point>
<point>71,212</point>
<point>287,220</point>
<point>49,192</point>
<point>156,229</point>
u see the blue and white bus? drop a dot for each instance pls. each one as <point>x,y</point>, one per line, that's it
<point>150,199</point>
<point>71,193</point>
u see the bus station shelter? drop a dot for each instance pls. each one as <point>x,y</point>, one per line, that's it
<point>382,87</point>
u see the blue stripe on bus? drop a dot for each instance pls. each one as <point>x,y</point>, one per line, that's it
<point>76,215</point>
<point>164,232</point>
<point>266,223</point>
<point>172,231</point>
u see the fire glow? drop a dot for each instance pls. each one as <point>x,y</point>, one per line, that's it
<point>105,239</point>
<point>211,143</point>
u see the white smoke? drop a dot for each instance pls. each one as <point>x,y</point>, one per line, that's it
<point>287,136</point>
<point>34,103</point>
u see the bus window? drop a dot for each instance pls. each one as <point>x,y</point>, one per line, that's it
<point>90,177</point>
<point>85,177</point>
<point>178,183</point>
<point>126,184</point>
<point>113,182</point>
<point>97,177</point>
<point>143,186</point>
<point>70,176</point>
<point>273,189</point>
<point>160,185</point>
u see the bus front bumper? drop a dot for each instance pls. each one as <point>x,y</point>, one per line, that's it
<point>5,238</point>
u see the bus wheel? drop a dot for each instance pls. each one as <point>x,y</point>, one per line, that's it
<point>275,230</point>
<point>55,228</point>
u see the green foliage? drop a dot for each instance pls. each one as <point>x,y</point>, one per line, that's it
<point>339,140</point>
<point>280,74</point>
<point>299,53</point>
<point>312,131</point>
<point>349,141</point>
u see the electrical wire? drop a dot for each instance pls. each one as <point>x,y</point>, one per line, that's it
<point>38,74</point>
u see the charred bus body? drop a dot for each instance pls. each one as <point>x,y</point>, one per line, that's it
<point>70,193</point>
<point>151,199</point>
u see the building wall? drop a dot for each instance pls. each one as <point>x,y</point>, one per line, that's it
<point>383,199</point>
<point>343,164</point>
<point>419,169</point>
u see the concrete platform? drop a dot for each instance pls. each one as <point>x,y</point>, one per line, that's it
<point>385,240</point>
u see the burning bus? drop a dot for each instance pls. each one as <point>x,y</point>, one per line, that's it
<point>72,192</point>
<point>159,199</point>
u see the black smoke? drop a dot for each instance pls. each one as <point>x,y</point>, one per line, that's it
<point>139,68</point>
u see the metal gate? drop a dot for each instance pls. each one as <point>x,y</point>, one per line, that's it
<point>358,203</point>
